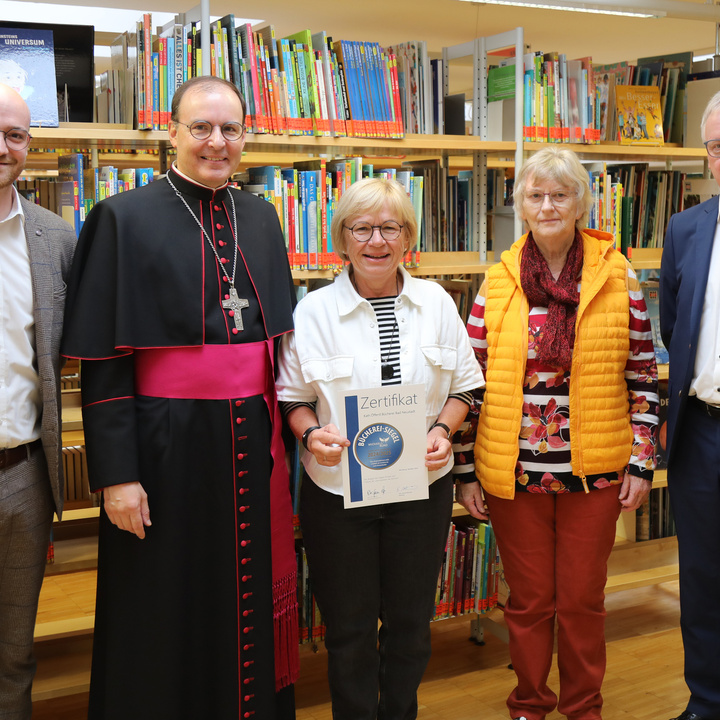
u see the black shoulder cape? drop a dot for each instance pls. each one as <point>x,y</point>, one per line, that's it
<point>137,277</point>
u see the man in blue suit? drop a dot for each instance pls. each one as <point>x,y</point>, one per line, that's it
<point>690,326</point>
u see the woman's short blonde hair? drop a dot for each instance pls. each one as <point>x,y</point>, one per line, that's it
<point>367,197</point>
<point>562,166</point>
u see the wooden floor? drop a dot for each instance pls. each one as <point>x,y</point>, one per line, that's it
<point>465,681</point>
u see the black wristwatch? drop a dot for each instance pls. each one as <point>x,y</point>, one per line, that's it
<point>443,426</point>
<point>306,434</point>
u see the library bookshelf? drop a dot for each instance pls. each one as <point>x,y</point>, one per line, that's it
<point>632,564</point>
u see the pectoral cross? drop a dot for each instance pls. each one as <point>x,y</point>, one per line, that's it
<point>236,304</point>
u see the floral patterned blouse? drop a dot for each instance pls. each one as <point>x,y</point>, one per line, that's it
<point>544,459</point>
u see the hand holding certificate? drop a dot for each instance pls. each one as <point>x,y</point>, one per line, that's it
<point>386,459</point>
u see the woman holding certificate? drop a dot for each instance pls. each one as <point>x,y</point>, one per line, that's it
<point>383,337</point>
<point>566,433</point>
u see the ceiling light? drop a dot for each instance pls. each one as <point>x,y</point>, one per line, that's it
<point>572,7</point>
<point>678,9</point>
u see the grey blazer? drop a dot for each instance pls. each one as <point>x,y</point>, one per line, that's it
<point>51,244</point>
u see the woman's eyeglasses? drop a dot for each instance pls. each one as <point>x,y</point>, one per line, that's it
<point>362,232</point>
<point>557,198</point>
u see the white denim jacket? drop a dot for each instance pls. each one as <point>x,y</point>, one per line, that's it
<point>336,348</point>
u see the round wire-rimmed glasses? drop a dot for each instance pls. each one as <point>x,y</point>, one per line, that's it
<point>362,231</point>
<point>202,130</point>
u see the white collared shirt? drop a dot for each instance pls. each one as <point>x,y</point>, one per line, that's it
<point>336,348</point>
<point>20,406</point>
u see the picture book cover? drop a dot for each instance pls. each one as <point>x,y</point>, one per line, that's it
<point>27,64</point>
<point>74,77</point>
<point>639,115</point>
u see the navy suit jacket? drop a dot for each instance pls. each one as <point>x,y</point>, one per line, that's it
<point>683,280</point>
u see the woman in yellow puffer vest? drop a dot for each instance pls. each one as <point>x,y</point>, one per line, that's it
<point>566,433</point>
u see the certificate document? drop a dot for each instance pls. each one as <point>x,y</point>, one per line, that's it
<point>386,459</point>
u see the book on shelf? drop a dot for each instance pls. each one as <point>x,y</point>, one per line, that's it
<point>674,69</point>
<point>27,65</point>
<point>649,199</point>
<point>310,625</point>
<point>72,188</point>
<point>607,194</point>
<point>460,291</point>
<point>40,191</point>
<point>453,107</point>
<point>559,98</point>
<point>309,83</point>
<point>74,75</point>
<point>654,518</point>
<point>414,85</point>
<point>305,197</point>
<point>639,114</point>
<point>697,190</point>
<point>606,78</point>
<point>303,84</point>
<point>331,106</point>
<point>651,292</point>
<point>661,444</point>
<point>469,578</point>
<point>649,72</point>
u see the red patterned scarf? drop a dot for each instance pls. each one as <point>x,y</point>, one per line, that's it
<point>561,297</point>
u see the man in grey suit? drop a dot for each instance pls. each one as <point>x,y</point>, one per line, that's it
<point>36,250</point>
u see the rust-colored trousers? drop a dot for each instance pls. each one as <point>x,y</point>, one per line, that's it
<point>554,550</point>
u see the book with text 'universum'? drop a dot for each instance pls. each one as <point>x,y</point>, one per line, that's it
<point>27,64</point>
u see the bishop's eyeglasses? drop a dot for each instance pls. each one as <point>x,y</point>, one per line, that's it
<point>16,138</point>
<point>202,130</point>
<point>362,231</point>
<point>713,148</point>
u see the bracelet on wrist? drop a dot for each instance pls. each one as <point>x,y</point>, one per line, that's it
<point>306,434</point>
<point>444,427</point>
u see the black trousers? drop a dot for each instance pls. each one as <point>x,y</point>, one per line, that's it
<point>694,482</point>
<point>379,562</point>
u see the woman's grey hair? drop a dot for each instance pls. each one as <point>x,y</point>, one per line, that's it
<point>560,165</point>
<point>368,197</point>
<point>712,106</point>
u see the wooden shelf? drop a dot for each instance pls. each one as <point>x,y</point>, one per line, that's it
<point>74,555</point>
<point>645,258</point>
<point>70,627</point>
<point>451,263</point>
<point>63,667</point>
<point>627,153</point>
<point>102,135</point>
<point>641,578</point>
<point>99,136</point>
<point>431,264</point>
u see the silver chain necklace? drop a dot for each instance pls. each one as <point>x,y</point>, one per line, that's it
<point>234,304</point>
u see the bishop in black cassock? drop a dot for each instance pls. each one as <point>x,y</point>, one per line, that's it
<point>197,620</point>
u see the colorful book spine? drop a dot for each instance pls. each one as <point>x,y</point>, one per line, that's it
<point>148,70</point>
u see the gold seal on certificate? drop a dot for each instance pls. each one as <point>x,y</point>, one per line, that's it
<point>385,462</point>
